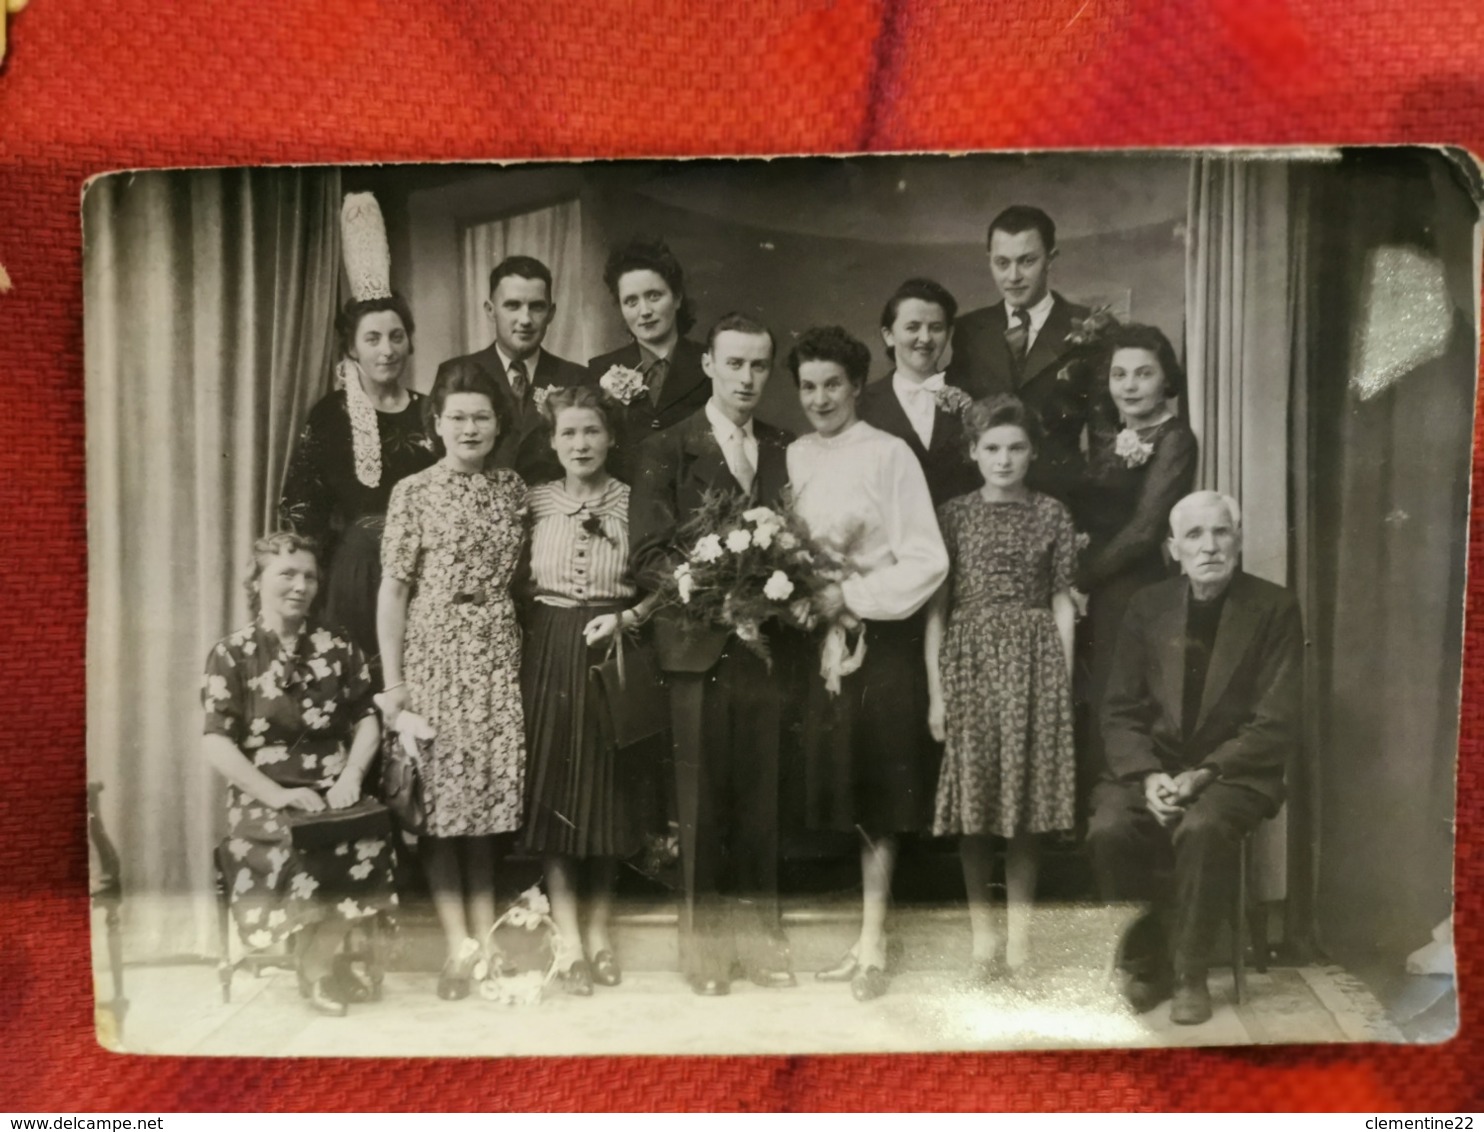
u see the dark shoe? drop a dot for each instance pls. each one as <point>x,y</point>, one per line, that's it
<point>458,974</point>
<point>1192,1002</point>
<point>577,979</point>
<point>605,969</point>
<point>322,1000</point>
<point>771,979</point>
<point>711,988</point>
<point>870,983</point>
<point>348,986</point>
<point>841,972</point>
<point>1145,992</point>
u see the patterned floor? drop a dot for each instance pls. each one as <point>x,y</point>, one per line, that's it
<point>1066,1002</point>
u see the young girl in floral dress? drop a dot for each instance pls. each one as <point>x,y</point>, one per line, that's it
<point>999,656</point>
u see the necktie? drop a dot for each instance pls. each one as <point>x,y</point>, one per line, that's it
<point>518,379</point>
<point>1017,335</point>
<point>737,457</point>
<point>656,378</point>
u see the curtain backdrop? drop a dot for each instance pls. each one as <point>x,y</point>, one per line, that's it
<point>1239,325</point>
<point>1388,423</point>
<point>554,236</point>
<point>209,300</point>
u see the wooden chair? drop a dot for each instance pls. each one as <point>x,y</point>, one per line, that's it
<point>1249,923</point>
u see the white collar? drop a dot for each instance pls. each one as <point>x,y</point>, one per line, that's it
<point>530,363</point>
<point>722,425</point>
<point>906,387</point>
<point>1039,313</point>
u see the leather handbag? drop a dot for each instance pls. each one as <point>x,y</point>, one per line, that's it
<point>328,828</point>
<point>629,695</point>
<point>401,777</point>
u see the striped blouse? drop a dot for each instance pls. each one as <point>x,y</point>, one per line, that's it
<point>579,550</point>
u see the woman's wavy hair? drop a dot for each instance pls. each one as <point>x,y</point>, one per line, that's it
<point>999,410</point>
<point>832,344</point>
<point>1139,336</point>
<point>464,376</point>
<point>270,546</point>
<point>580,397</point>
<point>348,321</point>
<point>649,253</point>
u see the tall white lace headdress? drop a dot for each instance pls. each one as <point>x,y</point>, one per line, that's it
<point>368,266</point>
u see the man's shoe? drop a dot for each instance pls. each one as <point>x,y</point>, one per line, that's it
<point>711,988</point>
<point>772,979</point>
<point>1192,1004</point>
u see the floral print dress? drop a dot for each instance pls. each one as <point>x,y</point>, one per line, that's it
<point>456,539</point>
<point>1009,765</point>
<point>291,708</point>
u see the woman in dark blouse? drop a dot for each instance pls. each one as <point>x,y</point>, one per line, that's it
<point>1141,462</point>
<point>360,440</point>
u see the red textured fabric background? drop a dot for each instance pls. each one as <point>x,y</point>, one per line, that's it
<point>89,87</point>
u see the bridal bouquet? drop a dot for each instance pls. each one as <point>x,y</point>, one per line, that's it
<point>623,384</point>
<point>745,566</point>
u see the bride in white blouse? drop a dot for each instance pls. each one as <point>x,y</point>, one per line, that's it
<point>870,762</point>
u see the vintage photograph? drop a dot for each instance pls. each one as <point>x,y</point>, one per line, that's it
<point>808,605</point>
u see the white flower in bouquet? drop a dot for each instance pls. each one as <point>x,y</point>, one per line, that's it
<point>787,540</point>
<point>762,538</point>
<point>622,383</point>
<point>738,541</point>
<point>687,587</point>
<point>1132,449</point>
<point>778,587</point>
<point>708,549</point>
<point>759,515</point>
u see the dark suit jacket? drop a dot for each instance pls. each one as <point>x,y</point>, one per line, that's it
<point>686,389</point>
<point>1056,381</point>
<point>523,443</point>
<point>1249,722</point>
<point>945,462</point>
<point>676,468</point>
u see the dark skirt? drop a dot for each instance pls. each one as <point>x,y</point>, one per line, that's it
<point>871,764</point>
<point>352,582</point>
<point>584,798</point>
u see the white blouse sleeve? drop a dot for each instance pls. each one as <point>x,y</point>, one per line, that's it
<point>918,562</point>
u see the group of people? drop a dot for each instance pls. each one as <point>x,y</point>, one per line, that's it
<point>1003,522</point>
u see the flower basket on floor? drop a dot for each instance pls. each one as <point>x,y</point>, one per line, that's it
<point>523,946</point>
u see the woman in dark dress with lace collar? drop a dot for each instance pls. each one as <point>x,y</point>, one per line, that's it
<point>1141,461</point>
<point>359,442</point>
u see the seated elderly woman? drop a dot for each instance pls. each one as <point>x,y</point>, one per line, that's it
<point>291,726</point>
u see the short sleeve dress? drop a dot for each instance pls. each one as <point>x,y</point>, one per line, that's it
<point>456,539</point>
<point>291,707</point>
<point>325,499</point>
<point>1009,763</point>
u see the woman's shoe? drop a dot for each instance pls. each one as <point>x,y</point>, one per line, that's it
<point>605,969</point>
<point>322,1000</point>
<point>456,979</point>
<point>577,979</point>
<point>348,986</point>
<point>871,982</point>
<point>841,972</point>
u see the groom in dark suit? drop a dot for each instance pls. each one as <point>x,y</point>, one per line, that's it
<point>521,309</point>
<point>725,702</point>
<point>1021,346</point>
<point>1201,716</point>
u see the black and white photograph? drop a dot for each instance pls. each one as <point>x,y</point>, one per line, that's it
<point>808,605</point>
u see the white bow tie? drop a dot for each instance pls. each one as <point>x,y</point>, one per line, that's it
<point>930,386</point>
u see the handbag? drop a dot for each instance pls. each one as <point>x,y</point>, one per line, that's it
<point>402,751</point>
<point>367,818</point>
<point>629,694</point>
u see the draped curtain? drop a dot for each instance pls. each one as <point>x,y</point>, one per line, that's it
<point>1239,296</point>
<point>1387,424</point>
<point>209,300</point>
<point>554,236</point>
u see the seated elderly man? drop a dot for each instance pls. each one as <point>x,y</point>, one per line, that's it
<point>1200,717</point>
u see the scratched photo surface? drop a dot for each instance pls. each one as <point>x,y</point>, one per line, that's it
<point>818,605</point>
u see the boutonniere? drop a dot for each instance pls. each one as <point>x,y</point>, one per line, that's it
<point>593,525</point>
<point>539,396</point>
<point>951,399</point>
<point>1132,449</point>
<point>622,383</point>
<point>1089,331</point>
